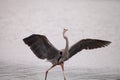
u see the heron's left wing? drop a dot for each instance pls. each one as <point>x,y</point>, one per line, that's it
<point>87,44</point>
<point>41,46</point>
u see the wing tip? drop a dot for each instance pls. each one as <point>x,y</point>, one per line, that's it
<point>30,39</point>
<point>107,43</point>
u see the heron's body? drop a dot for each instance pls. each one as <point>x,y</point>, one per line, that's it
<point>43,49</point>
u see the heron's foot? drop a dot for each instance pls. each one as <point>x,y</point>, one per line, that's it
<point>46,75</point>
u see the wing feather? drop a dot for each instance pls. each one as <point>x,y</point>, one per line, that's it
<point>41,46</point>
<point>87,44</point>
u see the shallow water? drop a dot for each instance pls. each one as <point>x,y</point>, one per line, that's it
<point>36,72</point>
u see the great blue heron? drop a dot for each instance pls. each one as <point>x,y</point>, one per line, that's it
<point>43,49</point>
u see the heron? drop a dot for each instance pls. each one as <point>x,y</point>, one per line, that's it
<point>44,49</point>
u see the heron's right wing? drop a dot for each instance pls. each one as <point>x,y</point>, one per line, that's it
<point>41,46</point>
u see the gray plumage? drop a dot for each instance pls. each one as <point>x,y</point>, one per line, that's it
<point>41,46</point>
<point>87,44</point>
<point>44,49</point>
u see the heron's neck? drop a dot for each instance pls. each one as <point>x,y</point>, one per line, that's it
<point>67,42</point>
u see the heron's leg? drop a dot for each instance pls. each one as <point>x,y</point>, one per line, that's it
<point>48,70</point>
<point>62,66</point>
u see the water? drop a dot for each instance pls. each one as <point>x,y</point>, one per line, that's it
<point>84,19</point>
<point>9,71</point>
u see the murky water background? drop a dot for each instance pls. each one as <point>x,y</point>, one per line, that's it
<point>36,72</point>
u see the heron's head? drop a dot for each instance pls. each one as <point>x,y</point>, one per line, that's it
<point>64,30</point>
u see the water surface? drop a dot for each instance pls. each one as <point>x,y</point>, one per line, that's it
<point>9,71</point>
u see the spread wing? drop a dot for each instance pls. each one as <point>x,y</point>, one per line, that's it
<point>41,46</point>
<point>87,44</point>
